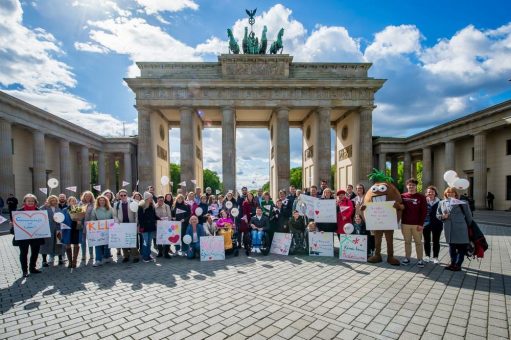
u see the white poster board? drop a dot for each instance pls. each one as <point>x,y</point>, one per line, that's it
<point>321,244</point>
<point>353,248</point>
<point>30,225</point>
<point>309,203</point>
<point>381,216</point>
<point>212,248</point>
<point>325,211</point>
<point>281,243</point>
<point>122,235</point>
<point>168,232</point>
<point>97,232</point>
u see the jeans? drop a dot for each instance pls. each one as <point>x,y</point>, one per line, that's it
<point>102,252</point>
<point>257,237</point>
<point>410,231</point>
<point>146,247</point>
<point>457,252</point>
<point>427,232</point>
<point>193,249</point>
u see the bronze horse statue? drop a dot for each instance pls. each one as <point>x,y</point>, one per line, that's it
<point>277,44</point>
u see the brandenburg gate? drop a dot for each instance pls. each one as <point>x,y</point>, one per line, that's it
<point>256,90</point>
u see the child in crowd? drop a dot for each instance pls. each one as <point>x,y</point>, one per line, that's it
<point>213,208</point>
<point>359,228</point>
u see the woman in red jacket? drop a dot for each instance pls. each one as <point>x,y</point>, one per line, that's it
<point>344,211</point>
<point>248,208</point>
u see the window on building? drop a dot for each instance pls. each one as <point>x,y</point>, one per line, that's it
<point>508,188</point>
<point>508,147</point>
<point>473,152</point>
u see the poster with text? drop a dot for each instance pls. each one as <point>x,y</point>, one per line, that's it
<point>122,235</point>
<point>353,247</point>
<point>97,232</point>
<point>306,204</point>
<point>168,232</point>
<point>325,211</point>
<point>381,216</point>
<point>30,225</point>
<point>212,248</point>
<point>321,244</point>
<point>281,243</point>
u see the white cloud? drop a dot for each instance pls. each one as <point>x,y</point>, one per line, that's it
<point>394,40</point>
<point>155,6</point>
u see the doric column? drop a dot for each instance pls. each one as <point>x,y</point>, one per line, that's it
<point>127,171</point>
<point>101,170</point>
<point>366,144</point>
<point>393,167</point>
<point>407,166</point>
<point>84,169</point>
<point>229,148</point>
<point>187,147</point>
<point>323,146</point>
<point>426,167</point>
<point>39,166</point>
<point>111,172</point>
<point>6,170</point>
<point>145,152</point>
<point>65,166</point>
<point>382,161</point>
<point>450,161</point>
<point>281,149</point>
<point>480,170</point>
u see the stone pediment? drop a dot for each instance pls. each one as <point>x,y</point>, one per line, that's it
<point>242,66</point>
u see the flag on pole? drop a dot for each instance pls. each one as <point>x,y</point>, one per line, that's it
<point>171,183</point>
<point>73,188</point>
<point>217,191</point>
<point>124,183</point>
<point>183,183</point>
<point>44,190</point>
<point>194,181</point>
<point>97,187</point>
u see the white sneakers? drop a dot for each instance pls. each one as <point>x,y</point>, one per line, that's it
<point>426,259</point>
<point>257,250</point>
<point>97,263</point>
<point>435,260</point>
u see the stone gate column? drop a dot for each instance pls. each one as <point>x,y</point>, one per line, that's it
<point>6,170</point>
<point>426,167</point>
<point>65,166</point>
<point>366,144</point>
<point>39,166</point>
<point>101,171</point>
<point>127,172</point>
<point>480,170</point>
<point>145,152</point>
<point>382,161</point>
<point>111,183</point>
<point>84,169</point>
<point>279,150</point>
<point>450,160</point>
<point>187,147</point>
<point>229,148</point>
<point>323,146</point>
<point>407,166</point>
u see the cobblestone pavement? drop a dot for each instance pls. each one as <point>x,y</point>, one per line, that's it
<point>261,297</point>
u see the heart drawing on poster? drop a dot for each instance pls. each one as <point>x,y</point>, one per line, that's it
<point>317,212</point>
<point>174,238</point>
<point>29,224</point>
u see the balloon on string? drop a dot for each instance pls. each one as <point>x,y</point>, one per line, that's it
<point>58,217</point>
<point>461,183</point>
<point>134,206</point>
<point>235,212</point>
<point>53,183</point>
<point>198,211</point>
<point>450,176</point>
<point>187,239</point>
<point>164,180</point>
<point>228,204</point>
<point>348,228</point>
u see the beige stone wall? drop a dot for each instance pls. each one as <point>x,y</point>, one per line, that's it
<point>347,168</point>
<point>22,161</point>
<point>500,166</point>
<point>161,167</point>
<point>438,168</point>
<point>74,156</point>
<point>463,152</point>
<point>52,151</point>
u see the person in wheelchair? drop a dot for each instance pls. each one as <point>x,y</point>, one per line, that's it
<point>297,227</point>
<point>259,224</point>
<point>226,228</point>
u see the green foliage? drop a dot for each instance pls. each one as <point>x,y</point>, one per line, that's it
<point>400,177</point>
<point>266,186</point>
<point>175,175</point>
<point>295,177</point>
<point>420,186</point>
<point>211,180</point>
<point>333,171</point>
<point>94,173</point>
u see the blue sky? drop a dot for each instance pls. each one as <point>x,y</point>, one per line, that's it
<point>442,59</point>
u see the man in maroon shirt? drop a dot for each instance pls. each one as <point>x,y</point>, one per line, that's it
<point>412,221</point>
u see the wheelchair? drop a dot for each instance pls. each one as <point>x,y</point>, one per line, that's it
<point>299,243</point>
<point>265,243</point>
<point>228,232</point>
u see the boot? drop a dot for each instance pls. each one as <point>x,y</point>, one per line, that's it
<point>376,258</point>
<point>69,254</point>
<point>76,251</point>
<point>389,237</point>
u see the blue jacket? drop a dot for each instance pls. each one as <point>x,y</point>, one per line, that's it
<point>200,231</point>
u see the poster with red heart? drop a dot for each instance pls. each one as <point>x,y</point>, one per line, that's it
<point>212,248</point>
<point>168,232</point>
<point>325,211</point>
<point>281,243</point>
<point>122,235</point>
<point>30,224</point>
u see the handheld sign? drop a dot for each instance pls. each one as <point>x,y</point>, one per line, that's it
<point>353,248</point>
<point>381,216</point>
<point>30,224</point>
<point>281,243</point>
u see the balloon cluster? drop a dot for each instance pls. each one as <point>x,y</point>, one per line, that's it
<point>452,179</point>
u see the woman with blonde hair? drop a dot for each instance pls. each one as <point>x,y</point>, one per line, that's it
<point>102,211</point>
<point>71,230</point>
<point>87,203</point>
<point>51,245</point>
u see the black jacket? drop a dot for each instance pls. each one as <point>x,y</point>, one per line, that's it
<point>147,219</point>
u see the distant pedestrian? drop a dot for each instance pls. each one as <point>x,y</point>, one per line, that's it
<point>12,204</point>
<point>490,197</point>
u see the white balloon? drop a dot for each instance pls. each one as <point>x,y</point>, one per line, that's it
<point>235,212</point>
<point>58,217</point>
<point>450,176</point>
<point>187,239</point>
<point>461,183</point>
<point>198,211</point>
<point>53,183</point>
<point>228,204</point>
<point>164,180</point>
<point>134,206</point>
<point>348,228</point>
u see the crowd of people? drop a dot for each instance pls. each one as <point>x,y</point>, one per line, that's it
<point>253,213</point>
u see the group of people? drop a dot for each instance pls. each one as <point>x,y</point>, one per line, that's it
<point>253,214</point>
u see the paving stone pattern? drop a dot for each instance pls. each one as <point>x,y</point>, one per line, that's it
<point>260,297</point>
